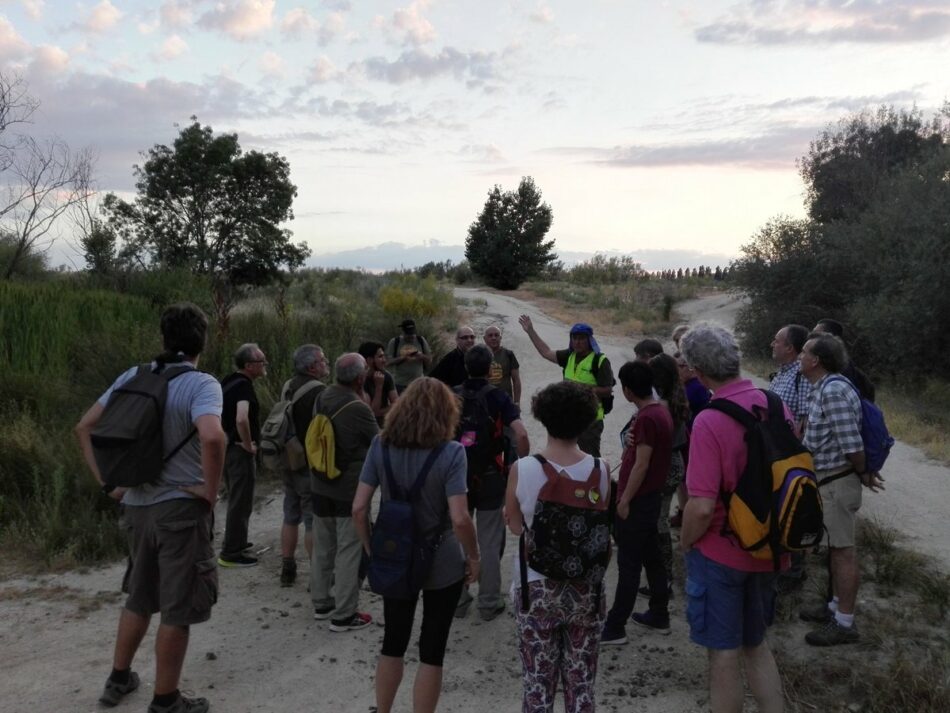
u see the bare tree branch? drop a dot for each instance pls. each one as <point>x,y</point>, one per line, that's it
<point>45,180</point>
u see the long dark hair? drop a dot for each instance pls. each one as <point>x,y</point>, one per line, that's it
<point>666,378</point>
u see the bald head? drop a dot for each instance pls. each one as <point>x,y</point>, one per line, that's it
<point>350,369</point>
<point>465,338</point>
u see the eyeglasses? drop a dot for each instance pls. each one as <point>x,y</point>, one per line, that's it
<point>467,336</point>
<point>259,361</point>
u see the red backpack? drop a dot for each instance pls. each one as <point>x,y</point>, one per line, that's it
<point>569,536</point>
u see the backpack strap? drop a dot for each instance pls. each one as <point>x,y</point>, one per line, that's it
<point>396,340</point>
<point>164,373</point>
<point>395,491</point>
<point>733,410</point>
<point>548,469</point>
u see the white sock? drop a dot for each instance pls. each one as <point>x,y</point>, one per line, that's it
<point>833,605</point>
<point>844,620</point>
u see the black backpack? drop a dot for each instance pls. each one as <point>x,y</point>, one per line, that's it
<point>481,433</point>
<point>400,553</point>
<point>569,536</point>
<point>127,441</point>
<point>775,507</point>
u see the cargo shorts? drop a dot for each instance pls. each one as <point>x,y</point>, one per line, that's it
<point>840,500</point>
<point>172,567</point>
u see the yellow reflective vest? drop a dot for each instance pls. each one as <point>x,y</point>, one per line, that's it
<point>583,373</point>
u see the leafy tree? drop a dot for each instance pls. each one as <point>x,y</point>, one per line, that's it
<point>206,206</point>
<point>505,245</point>
<point>846,164</point>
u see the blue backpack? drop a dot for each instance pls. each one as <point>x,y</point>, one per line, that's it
<point>874,434</point>
<point>400,553</point>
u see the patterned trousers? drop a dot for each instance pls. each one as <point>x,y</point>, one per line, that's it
<point>559,639</point>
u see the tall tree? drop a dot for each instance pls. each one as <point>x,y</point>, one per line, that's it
<point>846,163</point>
<point>205,205</point>
<point>505,244</point>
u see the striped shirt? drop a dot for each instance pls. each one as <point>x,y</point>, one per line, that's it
<point>833,428</point>
<point>793,388</point>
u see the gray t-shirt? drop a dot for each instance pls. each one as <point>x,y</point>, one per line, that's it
<point>447,478</point>
<point>190,396</point>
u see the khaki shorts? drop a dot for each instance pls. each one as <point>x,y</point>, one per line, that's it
<point>172,567</point>
<point>841,500</point>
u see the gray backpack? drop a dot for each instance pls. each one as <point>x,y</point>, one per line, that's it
<point>127,441</point>
<point>280,446</point>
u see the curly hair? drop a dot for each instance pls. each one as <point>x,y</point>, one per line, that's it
<point>666,378</point>
<point>565,409</point>
<point>431,416</point>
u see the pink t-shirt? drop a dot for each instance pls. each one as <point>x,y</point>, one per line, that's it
<point>717,457</point>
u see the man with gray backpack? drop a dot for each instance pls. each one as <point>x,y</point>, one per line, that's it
<point>282,450</point>
<point>164,464</point>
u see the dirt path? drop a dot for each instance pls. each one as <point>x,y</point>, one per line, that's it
<point>262,651</point>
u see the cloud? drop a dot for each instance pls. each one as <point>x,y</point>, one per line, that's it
<point>12,45</point>
<point>408,25</point>
<point>542,14</point>
<point>298,23</point>
<point>476,67</point>
<point>49,59</point>
<point>271,64</point>
<point>780,22</point>
<point>102,18</point>
<point>482,153</point>
<point>120,118</point>
<point>174,15</point>
<point>322,71</point>
<point>33,8</point>
<point>240,19</point>
<point>776,147</point>
<point>172,48</point>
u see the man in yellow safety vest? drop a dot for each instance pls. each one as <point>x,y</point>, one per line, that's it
<point>584,363</point>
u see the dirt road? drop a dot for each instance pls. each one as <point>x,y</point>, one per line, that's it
<point>262,651</point>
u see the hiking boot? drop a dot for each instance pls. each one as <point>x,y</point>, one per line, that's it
<point>489,614</point>
<point>288,573</point>
<point>465,601</point>
<point>324,613</point>
<point>115,692</point>
<point>648,619</point>
<point>832,634</point>
<point>241,560</point>
<point>358,621</point>
<point>818,614</point>
<point>183,705</point>
<point>611,638</point>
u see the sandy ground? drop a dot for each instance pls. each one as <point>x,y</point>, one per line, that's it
<point>262,651</point>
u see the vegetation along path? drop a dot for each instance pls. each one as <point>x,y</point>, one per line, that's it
<point>263,651</point>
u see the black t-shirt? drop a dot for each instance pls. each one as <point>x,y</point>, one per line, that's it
<point>369,386</point>
<point>238,387</point>
<point>451,370</point>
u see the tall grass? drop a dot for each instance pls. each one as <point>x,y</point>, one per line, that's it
<point>63,341</point>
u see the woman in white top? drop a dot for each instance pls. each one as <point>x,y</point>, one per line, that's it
<point>560,631</point>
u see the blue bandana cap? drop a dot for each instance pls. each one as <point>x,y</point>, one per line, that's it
<point>588,331</point>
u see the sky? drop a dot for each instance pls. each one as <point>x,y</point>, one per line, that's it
<point>667,130</point>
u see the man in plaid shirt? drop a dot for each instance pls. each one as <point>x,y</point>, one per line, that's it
<point>794,389</point>
<point>788,382</point>
<point>833,435</point>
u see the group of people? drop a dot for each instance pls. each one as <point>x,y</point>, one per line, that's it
<point>459,430</point>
